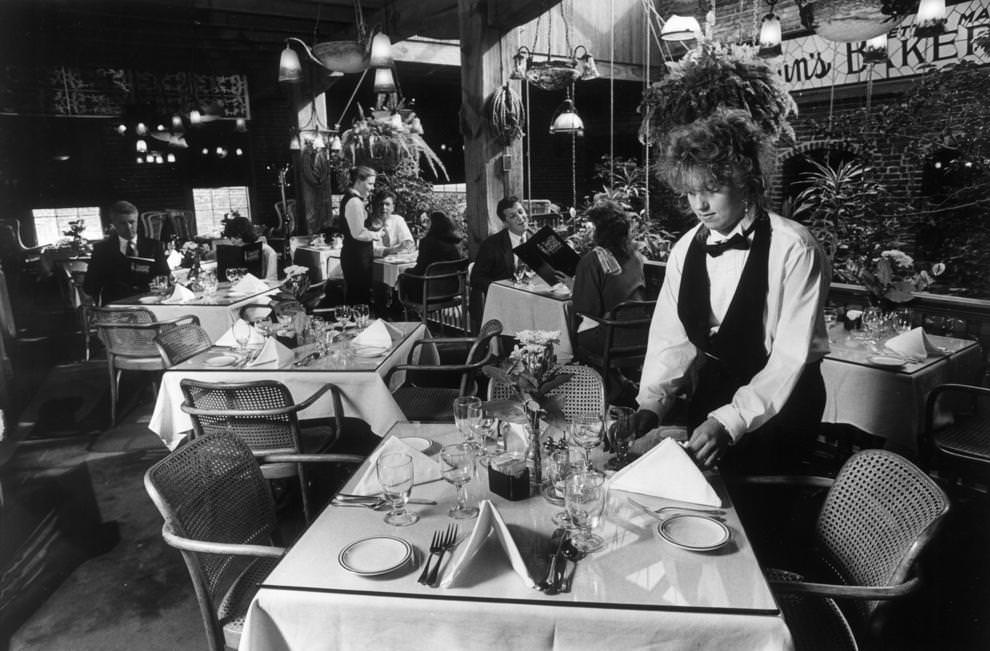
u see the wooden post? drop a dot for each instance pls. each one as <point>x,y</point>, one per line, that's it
<point>491,170</point>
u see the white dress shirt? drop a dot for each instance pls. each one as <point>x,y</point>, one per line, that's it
<point>794,325</point>
<point>123,242</point>
<point>397,231</point>
<point>514,241</point>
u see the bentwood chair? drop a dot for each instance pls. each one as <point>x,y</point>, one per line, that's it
<point>879,514</point>
<point>182,342</point>
<point>619,347</point>
<point>443,287</point>
<point>264,415</point>
<point>153,224</point>
<point>220,515</point>
<point>428,390</point>
<point>583,393</point>
<point>955,439</point>
<point>128,335</point>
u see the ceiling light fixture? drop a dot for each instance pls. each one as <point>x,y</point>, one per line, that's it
<point>930,19</point>
<point>566,120</point>
<point>680,28</point>
<point>770,34</point>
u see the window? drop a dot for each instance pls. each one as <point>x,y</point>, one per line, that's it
<point>212,204</point>
<point>50,224</point>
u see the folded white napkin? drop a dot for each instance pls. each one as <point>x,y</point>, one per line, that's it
<point>425,469</point>
<point>913,344</point>
<point>666,471</point>
<point>376,335</point>
<point>249,284</point>
<point>174,259</point>
<point>180,294</point>
<point>488,519</point>
<point>227,338</point>
<point>272,351</point>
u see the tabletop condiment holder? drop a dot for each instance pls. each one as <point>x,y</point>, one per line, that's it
<point>508,476</point>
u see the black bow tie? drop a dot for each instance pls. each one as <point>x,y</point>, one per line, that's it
<point>737,241</point>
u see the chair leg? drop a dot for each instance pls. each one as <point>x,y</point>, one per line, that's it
<point>114,388</point>
<point>304,494</point>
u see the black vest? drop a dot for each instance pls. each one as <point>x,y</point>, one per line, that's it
<point>345,228</point>
<point>738,344</point>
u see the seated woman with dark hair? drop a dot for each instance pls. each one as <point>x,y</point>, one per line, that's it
<point>439,244</point>
<point>241,228</point>
<point>608,274</point>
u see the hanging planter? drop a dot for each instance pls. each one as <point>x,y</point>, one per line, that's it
<point>552,75</point>
<point>506,117</point>
<point>850,21</point>
<point>342,56</point>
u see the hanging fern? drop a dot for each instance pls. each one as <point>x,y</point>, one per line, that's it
<point>713,76</point>
<point>384,143</point>
<point>507,116</point>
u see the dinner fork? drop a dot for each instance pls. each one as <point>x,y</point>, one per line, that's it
<point>435,546</point>
<point>448,542</point>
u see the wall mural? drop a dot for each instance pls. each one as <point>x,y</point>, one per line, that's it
<point>108,92</point>
<point>814,62</point>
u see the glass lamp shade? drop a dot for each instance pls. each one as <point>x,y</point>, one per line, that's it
<point>875,50</point>
<point>289,68</point>
<point>567,121</point>
<point>336,146</point>
<point>240,125</point>
<point>141,146</point>
<point>384,80</point>
<point>680,28</point>
<point>294,143</point>
<point>176,122</point>
<point>770,36</point>
<point>141,129</point>
<point>930,19</point>
<point>381,51</point>
<point>195,117</point>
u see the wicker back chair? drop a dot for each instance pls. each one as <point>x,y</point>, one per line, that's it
<point>420,397</point>
<point>264,415</point>
<point>584,393</point>
<point>880,513</point>
<point>220,515</point>
<point>128,335</point>
<point>442,287</point>
<point>959,448</point>
<point>182,342</point>
<point>183,223</point>
<point>153,223</point>
<point>621,343</point>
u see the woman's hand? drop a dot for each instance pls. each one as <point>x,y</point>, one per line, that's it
<point>644,420</point>
<point>708,442</point>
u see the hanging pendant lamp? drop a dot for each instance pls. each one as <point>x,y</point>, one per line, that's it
<point>566,120</point>
<point>876,50</point>
<point>930,19</point>
<point>380,51</point>
<point>680,28</point>
<point>770,34</point>
<point>289,68</point>
<point>384,80</point>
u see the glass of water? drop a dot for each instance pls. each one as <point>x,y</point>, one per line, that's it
<point>585,494</point>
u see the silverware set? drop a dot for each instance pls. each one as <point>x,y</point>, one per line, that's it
<point>558,579</point>
<point>443,541</point>
<point>373,502</point>
<point>716,514</point>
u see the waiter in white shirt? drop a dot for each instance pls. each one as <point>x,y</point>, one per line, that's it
<point>739,323</point>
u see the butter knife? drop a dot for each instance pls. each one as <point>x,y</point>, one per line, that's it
<point>550,584</point>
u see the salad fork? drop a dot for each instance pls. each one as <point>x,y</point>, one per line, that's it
<point>448,542</point>
<point>435,546</point>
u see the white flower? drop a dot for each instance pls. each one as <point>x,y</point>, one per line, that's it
<point>898,257</point>
<point>296,270</point>
<point>938,268</point>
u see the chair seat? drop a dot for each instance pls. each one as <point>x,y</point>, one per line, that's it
<point>426,403</point>
<point>969,438</point>
<point>139,363</point>
<point>234,606</point>
<point>816,623</point>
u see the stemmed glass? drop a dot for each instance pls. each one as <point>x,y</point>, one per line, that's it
<point>242,334</point>
<point>484,430</point>
<point>467,410</point>
<point>585,494</point>
<point>395,474</point>
<point>620,435</point>
<point>831,318</point>
<point>586,431</point>
<point>872,323</point>
<point>209,282</point>
<point>519,275</point>
<point>458,469</point>
<point>901,320</point>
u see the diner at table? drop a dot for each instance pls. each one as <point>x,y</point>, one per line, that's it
<point>124,263</point>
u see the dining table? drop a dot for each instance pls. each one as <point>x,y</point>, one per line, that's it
<point>386,269</point>
<point>884,394</point>
<point>361,378</point>
<point>638,591</point>
<point>323,261</point>
<point>216,312</point>
<point>531,306</point>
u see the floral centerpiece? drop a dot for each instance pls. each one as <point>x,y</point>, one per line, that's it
<point>74,237</point>
<point>296,281</point>
<point>891,276</point>
<point>531,372</point>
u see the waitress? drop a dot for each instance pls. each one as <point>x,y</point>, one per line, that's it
<point>357,254</point>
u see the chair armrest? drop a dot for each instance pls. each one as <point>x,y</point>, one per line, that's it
<point>329,386</point>
<point>277,411</point>
<point>862,592</point>
<point>294,457</point>
<point>802,481</point>
<point>434,368</point>
<point>179,320</point>
<point>445,340</point>
<point>233,549</point>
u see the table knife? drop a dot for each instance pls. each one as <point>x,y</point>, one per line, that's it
<point>549,584</point>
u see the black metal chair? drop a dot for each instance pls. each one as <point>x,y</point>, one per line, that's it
<point>619,347</point>
<point>955,439</point>
<point>428,390</point>
<point>584,393</point>
<point>443,287</point>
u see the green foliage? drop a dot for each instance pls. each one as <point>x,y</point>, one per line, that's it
<point>386,142</point>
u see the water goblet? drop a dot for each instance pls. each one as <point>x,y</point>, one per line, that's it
<point>242,334</point>
<point>586,431</point>
<point>831,319</point>
<point>585,494</point>
<point>519,274</point>
<point>361,316</point>
<point>234,274</point>
<point>209,282</point>
<point>395,474</point>
<point>484,431</point>
<point>872,323</point>
<point>467,410</point>
<point>901,320</point>
<point>621,434</point>
<point>457,467</point>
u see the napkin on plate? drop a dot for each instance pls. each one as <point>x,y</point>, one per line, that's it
<point>666,471</point>
<point>180,295</point>
<point>489,519</point>
<point>272,351</point>
<point>425,469</point>
<point>376,335</point>
<point>249,284</point>
<point>913,344</point>
<point>227,338</point>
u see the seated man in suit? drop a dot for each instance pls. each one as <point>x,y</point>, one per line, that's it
<point>495,259</point>
<point>113,273</point>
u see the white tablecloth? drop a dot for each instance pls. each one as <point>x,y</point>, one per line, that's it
<point>323,262</point>
<point>639,592</point>
<point>366,395</point>
<point>387,270</point>
<point>520,309</point>
<point>891,402</point>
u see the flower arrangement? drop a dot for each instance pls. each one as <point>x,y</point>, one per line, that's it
<point>891,275</point>
<point>74,237</point>
<point>384,139</point>
<point>532,372</point>
<point>296,280</point>
<point>192,254</point>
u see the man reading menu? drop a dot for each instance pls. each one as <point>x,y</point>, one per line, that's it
<point>123,263</point>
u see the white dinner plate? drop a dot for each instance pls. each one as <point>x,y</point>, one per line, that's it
<point>375,556</point>
<point>367,351</point>
<point>696,533</point>
<point>221,360</point>
<point>886,361</point>
<point>418,443</point>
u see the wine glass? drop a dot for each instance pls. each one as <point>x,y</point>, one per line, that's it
<point>457,467</point>
<point>395,474</point>
<point>209,281</point>
<point>528,276</point>
<point>586,431</point>
<point>872,323</point>
<point>484,432</point>
<point>901,321</point>
<point>620,436</point>
<point>831,319</point>
<point>242,334</point>
<point>467,409</point>
<point>585,494</point>
<point>519,275</point>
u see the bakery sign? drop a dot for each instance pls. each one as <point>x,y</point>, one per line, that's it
<point>813,62</point>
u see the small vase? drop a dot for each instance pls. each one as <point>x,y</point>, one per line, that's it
<point>534,452</point>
